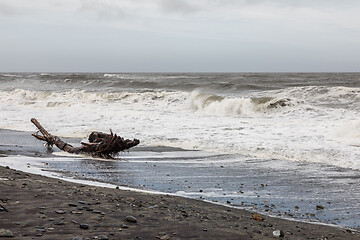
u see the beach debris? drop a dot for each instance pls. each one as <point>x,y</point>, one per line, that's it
<point>100,144</point>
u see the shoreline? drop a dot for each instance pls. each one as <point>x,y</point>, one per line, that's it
<point>39,206</point>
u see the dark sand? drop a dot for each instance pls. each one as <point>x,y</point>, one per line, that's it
<point>37,207</point>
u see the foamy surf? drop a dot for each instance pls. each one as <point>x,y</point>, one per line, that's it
<point>225,114</point>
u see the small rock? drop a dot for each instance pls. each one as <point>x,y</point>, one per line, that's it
<point>165,237</point>
<point>59,222</point>
<point>131,219</point>
<point>257,217</point>
<point>124,226</point>
<point>75,212</point>
<point>84,226</point>
<point>130,199</point>
<point>319,207</point>
<point>257,231</point>
<point>77,238</point>
<point>6,233</point>
<point>72,204</point>
<point>103,237</point>
<point>278,233</point>
<point>60,212</point>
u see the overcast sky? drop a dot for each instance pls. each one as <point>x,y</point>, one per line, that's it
<point>179,35</point>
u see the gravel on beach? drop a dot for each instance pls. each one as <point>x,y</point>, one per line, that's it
<point>38,207</point>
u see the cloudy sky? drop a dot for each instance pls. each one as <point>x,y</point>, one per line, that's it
<point>179,35</point>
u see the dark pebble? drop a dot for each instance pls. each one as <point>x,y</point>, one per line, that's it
<point>84,226</point>
<point>319,207</point>
<point>131,219</point>
<point>72,204</point>
<point>257,231</point>
<point>59,222</point>
<point>124,226</point>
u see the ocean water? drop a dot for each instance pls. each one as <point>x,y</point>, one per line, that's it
<point>310,117</point>
<point>280,144</point>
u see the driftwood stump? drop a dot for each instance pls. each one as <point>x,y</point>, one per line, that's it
<point>100,144</point>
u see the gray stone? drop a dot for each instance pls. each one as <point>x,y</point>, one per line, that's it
<point>84,226</point>
<point>60,212</point>
<point>131,219</point>
<point>60,222</point>
<point>6,233</point>
<point>103,237</point>
<point>124,226</point>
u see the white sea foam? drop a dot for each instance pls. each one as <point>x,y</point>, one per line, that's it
<point>295,123</point>
<point>113,75</point>
<point>228,106</point>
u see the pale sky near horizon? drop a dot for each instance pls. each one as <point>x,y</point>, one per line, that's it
<point>179,36</point>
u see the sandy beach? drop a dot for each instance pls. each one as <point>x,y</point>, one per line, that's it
<point>34,206</point>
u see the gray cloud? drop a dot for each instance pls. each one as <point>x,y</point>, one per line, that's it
<point>178,6</point>
<point>7,10</point>
<point>104,10</point>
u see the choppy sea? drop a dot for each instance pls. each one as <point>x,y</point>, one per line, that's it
<point>278,143</point>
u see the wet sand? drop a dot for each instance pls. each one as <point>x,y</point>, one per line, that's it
<point>37,207</point>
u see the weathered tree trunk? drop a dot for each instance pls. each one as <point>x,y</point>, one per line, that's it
<point>100,144</point>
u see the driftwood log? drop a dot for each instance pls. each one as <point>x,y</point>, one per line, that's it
<point>100,144</point>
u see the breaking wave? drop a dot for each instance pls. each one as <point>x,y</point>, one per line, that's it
<point>223,106</point>
<point>71,97</point>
